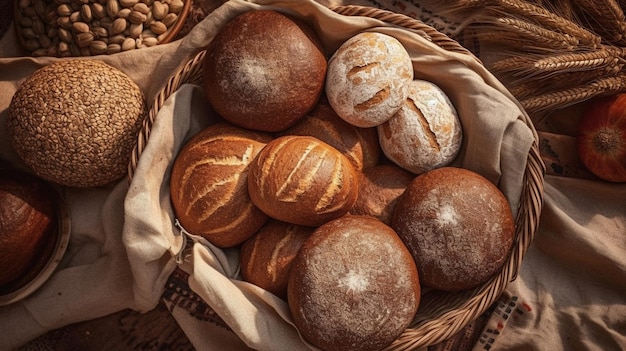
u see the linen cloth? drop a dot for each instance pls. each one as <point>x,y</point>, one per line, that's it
<point>124,243</point>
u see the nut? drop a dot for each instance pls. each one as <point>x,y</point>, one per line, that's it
<point>113,48</point>
<point>158,27</point>
<point>113,7</point>
<point>136,17</point>
<point>128,3</point>
<point>136,30</point>
<point>159,10</point>
<point>118,26</point>
<point>64,10</point>
<point>85,13</point>
<point>176,6</point>
<point>98,47</point>
<point>80,27</point>
<point>141,7</point>
<point>128,44</point>
<point>84,39</point>
<point>98,11</point>
<point>170,19</point>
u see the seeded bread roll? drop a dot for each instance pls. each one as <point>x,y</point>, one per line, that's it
<point>457,225</point>
<point>353,285</point>
<point>367,78</point>
<point>28,228</point>
<point>264,70</point>
<point>425,133</point>
<point>302,180</point>
<point>359,145</point>
<point>380,187</point>
<point>209,189</point>
<point>267,256</point>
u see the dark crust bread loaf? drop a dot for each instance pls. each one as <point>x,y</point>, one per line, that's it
<point>28,227</point>
<point>264,70</point>
<point>353,285</point>
<point>209,188</point>
<point>380,187</point>
<point>359,145</point>
<point>458,226</point>
<point>302,180</point>
<point>267,256</point>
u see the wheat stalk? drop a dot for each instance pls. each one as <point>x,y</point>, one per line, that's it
<point>606,17</point>
<point>525,35</point>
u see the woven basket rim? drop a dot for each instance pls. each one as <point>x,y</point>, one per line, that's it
<point>459,309</point>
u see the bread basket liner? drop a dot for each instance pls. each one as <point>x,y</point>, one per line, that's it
<point>500,143</point>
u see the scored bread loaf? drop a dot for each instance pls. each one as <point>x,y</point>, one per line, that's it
<point>353,285</point>
<point>264,70</point>
<point>302,180</point>
<point>267,256</point>
<point>425,133</point>
<point>458,226</point>
<point>209,189</point>
<point>367,78</point>
<point>359,145</point>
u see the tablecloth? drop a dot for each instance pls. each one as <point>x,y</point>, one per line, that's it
<point>570,293</point>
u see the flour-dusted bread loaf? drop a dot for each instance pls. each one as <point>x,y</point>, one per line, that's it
<point>359,145</point>
<point>425,133</point>
<point>267,256</point>
<point>353,285</point>
<point>380,187</point>
<point>458,226</point>
<point>28,228</point>
<point>367,78</point>
<point>264,70</point>
<point>302,180</point>
<point>209,189</point>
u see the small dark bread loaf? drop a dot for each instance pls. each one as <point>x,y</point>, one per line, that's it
<point>353,285</point>
<point>359,145</point>
<point>302,180</point>
<point>264,70</point>
<point>267,256</point>
<point>458,226</point>
<point>28,227</point>
<point>380,187</point>
<point>209,189</point>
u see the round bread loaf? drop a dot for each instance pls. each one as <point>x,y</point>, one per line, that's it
<point>458,226</point>
<point>75,122</point>
<point>380,187</point>
<point>208,186</point>
<point>302,180</point>
<point>264,70</point>
<point>359,145</point>
<point>28,228</point>
<point>425,133</point>
<point>267,256</point>
<point>353,285</point>
<point>367,78</point>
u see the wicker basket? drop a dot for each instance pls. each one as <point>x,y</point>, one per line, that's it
<point>441,315</point>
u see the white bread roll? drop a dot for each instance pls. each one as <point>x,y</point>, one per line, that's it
<point>425,133</point>
<point>367,78</point>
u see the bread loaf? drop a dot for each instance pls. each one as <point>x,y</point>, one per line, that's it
<point>457,225</point>
<point>302,180</point>
<point>264,70</point>
<point>425,133</point>
<point>28,228</point>
<point>209,189</point>
<point>267,256</point>
<point>367,78</point>
<point>353,285</point>
<point>359,145</point>
<point>380,187</point>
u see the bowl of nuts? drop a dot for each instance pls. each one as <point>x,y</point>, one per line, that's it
<point>70,28</point>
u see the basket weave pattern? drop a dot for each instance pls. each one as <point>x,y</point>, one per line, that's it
<point>441,315</point>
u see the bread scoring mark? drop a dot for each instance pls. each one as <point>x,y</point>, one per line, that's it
<point>234,224</point>
<point>267,162</point>
<point>326,201</point>
<point>274,262</point>
<point>430,135</point>
<point>354,74</point>
<point>204,192</point>
<point>378,98</point>
<point>289,193</point>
